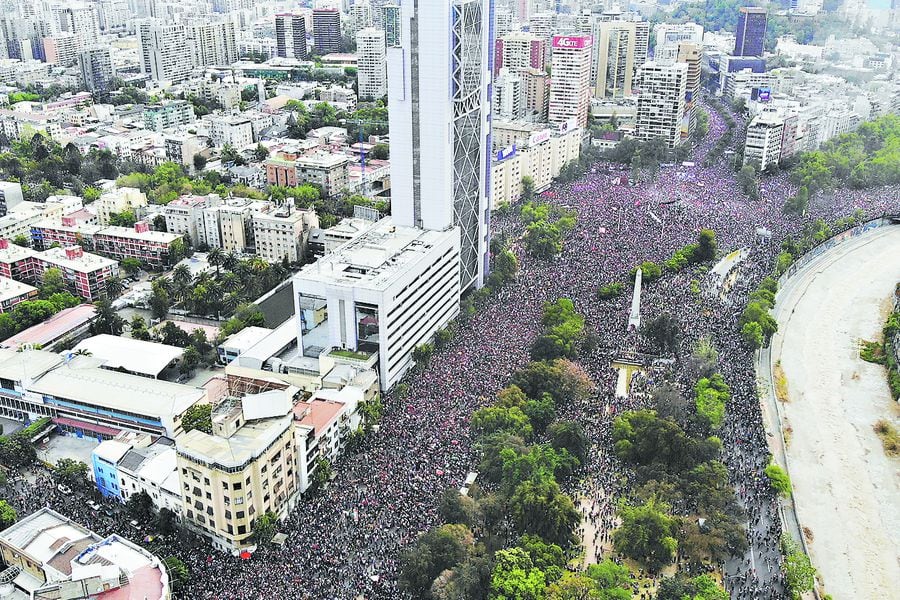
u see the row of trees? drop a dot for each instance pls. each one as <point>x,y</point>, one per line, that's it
<point>235,282</point>
<point>757,325</point>
<point>510,537</point>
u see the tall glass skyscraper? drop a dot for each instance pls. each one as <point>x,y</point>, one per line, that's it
<point>439,107</point>
<point>750,37</point>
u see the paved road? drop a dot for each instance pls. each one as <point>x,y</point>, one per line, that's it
<point>847,492</point>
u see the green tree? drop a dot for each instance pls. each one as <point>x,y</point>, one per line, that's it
<point>539,507</point>
<point>647,534</point>
<point>613,581</point>
<point>564,380</point>
<point>198,416</point>
<point>712,394</point>
<point>752,335</point>
<point>166,522</point>
<point>748,182</point>
<point>779,480</point>
<point>8,515</point>
<point>380,152</point>
<point>527,188</point>
<point>52,282</point>
<point>436,550</point>
<point>131,266</point>
<point>664,330</point>
<point>159,299</point>
<point>106,320</point>
<point>706,246</point>
<point>22,240</point>
<point>72,473</point>
<point>178,572</point>
<point>569,435</point>
<point>140,507</point>
<point>498,419</point>
<point>543,239</point>
<point>265,528</point>
<point>515,577</point>
<point>610,290</point>
<point>799,574</point>
<point>16,452</point>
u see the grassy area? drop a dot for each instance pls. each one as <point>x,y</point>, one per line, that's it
<point>781,385</point>
<point>890,437</point>
<point>872,352</point>
<point>350,354</point>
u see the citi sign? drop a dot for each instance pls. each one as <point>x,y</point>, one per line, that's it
<point>563,41</point>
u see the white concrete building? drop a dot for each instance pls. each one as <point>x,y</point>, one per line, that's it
<point>509,97</point>
<point>570,88</point>
<point>382,294</point>
<point>661,101</point>
<point>283,233</point>
<point>762,147</point>
<point>231,130</point>
<point>371,73</point>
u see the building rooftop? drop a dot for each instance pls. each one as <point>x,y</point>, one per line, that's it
<point>10,289</point>
<point>13,253</point>
<point>134,356</point>
<point>117,391</point>
<point>150,236</point>
<point>112,450</point>
<point>77,260</point>
<point>375,258</point>
<point>67,551</point>
<point>246,338</point>
<point>54,328</point>
<point>247,443</point>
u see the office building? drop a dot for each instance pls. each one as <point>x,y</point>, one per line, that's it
<point>166,51</point>
<point>750,35</point>
<point>243,470</point>
<point>96,69</point>
<point>49,556</point>
<point>520,50</point>
<point>379,296</point>
<point>615,58</point>
<point>670,35</point>
<point>390,21</point>
<point>371,70</point>
<point>661,101</point>
<point>290,36</point>
<point>690,54</point>
<point>326,30</point>
<point>570,90</point>
<point>440,129</point>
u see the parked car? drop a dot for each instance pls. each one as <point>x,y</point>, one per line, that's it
<point>64,489</point>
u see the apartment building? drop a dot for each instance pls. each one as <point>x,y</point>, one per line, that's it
<point>283,233</point>
<point>661,101</point>
<point>245,469</point>
<point>184,216</point>
<point>118,200</point>
<point>327,170</point>
<point>762,147</point>
<point>86,275</point>
<point>570,95</point>
<point>170,113</point>
<point>12,292</point>
<point>152,248</point>
<point>520,50</point>
<point>371,71</point>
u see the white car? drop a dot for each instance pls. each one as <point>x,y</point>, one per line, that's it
<point>94,506</point>
<point>64,489</point>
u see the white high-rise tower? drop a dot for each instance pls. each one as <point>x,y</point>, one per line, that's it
<point>439,107</point>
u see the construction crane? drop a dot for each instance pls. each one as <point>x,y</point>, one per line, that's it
<point>360,123</point>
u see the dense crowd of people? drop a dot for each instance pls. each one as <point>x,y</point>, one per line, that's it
<point>344,542</point>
